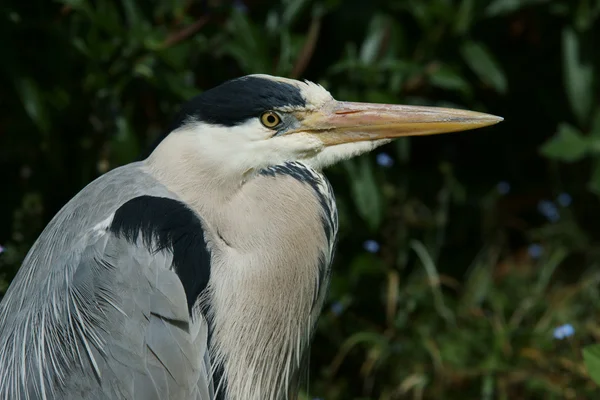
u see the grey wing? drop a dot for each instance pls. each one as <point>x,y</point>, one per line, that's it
<point>135,338</point>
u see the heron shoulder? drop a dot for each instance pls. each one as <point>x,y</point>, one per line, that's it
<point>166,223</point>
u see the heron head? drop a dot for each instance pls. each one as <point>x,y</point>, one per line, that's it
<point>260,120</point>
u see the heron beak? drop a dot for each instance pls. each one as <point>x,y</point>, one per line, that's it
<point>346,122</point>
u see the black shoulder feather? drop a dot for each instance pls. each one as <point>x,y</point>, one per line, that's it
<point>168,224</point>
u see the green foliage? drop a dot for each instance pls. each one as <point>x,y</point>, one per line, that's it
<point>483,64</point>
<point>591,356</point>
<point>483,243</point>
<point>568,145</point>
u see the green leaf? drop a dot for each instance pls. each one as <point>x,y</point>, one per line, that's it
<point>372,43</point>
<point>79,5</point>
<point>124,144</point>
<point>403,149</point>
<point>567,145</point>
<point>594,183</point>
<point>434,280</point>
<point>132,13</point>
<point>585,15</point>
<point>293,8</point>
<point>464,16</point>
<point>32,100</point>
<point>363,265</point>
<point>578,77</point>
<point>591,358</point>
<point>366,195</point>
<point>247,45</point>
<point>544,275</point>
<point>503,7</point>
<point>478,282</point>
<point>484,65</point>
<point>500,7</point>
<point>446,78</point>
<point>595,129</point>
<point>144,67</point>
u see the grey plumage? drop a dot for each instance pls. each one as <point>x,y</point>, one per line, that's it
<point>125,317</point>
<point>123,321</point>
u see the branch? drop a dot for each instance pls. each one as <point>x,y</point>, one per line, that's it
<point>185,33</point>
<point>308,49</point>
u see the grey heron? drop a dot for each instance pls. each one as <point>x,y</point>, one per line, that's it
<point>199,272</point>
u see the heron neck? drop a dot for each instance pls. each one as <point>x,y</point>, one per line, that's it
<point>199,179</point>
<point>269,257</point>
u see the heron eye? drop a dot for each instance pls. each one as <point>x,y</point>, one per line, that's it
<point>270,119</point>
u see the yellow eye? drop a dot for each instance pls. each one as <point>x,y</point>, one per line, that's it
<point>270,119</point>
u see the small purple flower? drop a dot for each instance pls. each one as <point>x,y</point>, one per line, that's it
<point>548,210</point>
<point>1,249</point>
<point>535,251</point>
<point>503,187</point>
<point>385,160</point>
<point>371,246</point>
<point>337,308</point>
<point>564,199</point>
<point>564,331</point>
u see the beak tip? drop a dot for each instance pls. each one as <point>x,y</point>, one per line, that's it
<point>492,119</point>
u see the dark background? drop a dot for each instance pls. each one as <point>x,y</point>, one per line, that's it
<point>486,241</point>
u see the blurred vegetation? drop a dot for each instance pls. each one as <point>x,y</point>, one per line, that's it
<point>468,263</point>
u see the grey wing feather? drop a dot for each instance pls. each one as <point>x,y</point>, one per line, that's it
<point>91,316</point>
<point>144,344</point>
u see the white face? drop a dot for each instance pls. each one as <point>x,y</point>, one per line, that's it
<point>266,140</point>
<point>319,132</point>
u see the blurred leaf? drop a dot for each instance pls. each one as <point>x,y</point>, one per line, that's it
<point>447,78</point>
<point>464,16</point>
<point>567,145</point>
<point>591,356</point>
<point>366,195</point>
<point>178,86</point>
<point>487,387</point>
<point>595,128</point>
<point>478,282</point>
<point>578,76</point>
<point>371,338</point>
<point>33,102</point>
<point>78,5</point>
<point>483,64</point>
<point>107,17</point>
<point>594,182</point>
<point>546,272</point>
<point>292,10</point>
<point>379,96</point>
<point>124,144</point>
<point>144,67</point>
<point>132,13</point>
<point>247,46</point>
<point>434,279</point>
<point>372,43</point>
<point>586,14</point>
<point>403,149</point>
<point>363,265</point>
<point>500,7</point>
